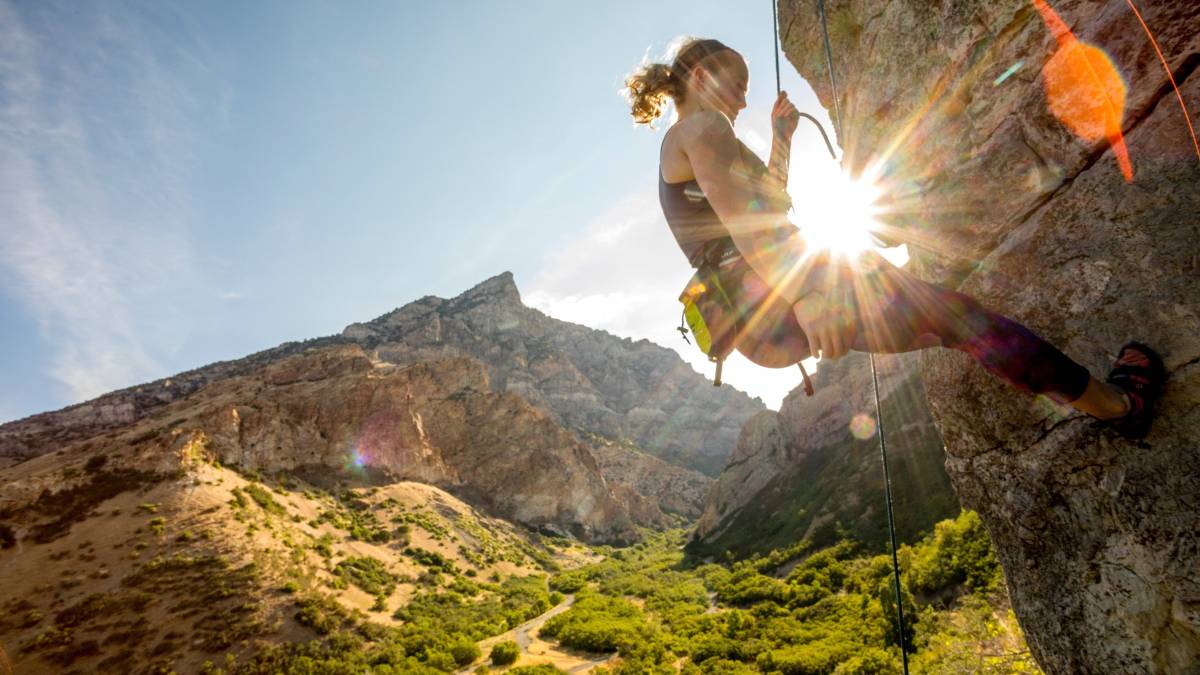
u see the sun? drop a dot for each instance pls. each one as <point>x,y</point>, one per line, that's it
<point>837,212</point>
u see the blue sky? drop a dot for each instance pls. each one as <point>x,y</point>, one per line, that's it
<point>185,183</point>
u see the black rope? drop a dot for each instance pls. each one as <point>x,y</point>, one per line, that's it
<point>775,23</point>
<point>887,480</point>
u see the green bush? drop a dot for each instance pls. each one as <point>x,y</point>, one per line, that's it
<point>959,552</point>
<point>367,573</point>
<point>464,651</point>
<point>321,613</point>
<point>597,623</point>
<point>431,559</point>
<point>263,498</point>
<point>324,546</point>
<point>505,653</point>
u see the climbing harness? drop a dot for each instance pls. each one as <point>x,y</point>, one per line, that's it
<point>710,310</point>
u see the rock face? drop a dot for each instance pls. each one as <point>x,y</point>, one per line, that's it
<point>586,380</point>
<point>331,414</point>
<point>988,122</point>
<point>674,490</point>
<point>812,470</point>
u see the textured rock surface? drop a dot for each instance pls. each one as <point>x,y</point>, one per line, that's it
<point>331,414</point>
<point>670,489</point>
<point>803,473</point>
<point>1098,536</point>
<point>587,380</point>
<point>590,380</point>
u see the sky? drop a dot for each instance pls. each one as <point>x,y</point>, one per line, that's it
<point>183,183</point>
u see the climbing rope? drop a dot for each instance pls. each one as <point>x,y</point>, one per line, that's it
<point>887,481</point>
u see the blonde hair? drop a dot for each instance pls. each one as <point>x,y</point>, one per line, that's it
<point>649,86</point>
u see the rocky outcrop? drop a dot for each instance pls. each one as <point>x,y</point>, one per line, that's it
<point>1004,193</point>
<point>333,415</point>
<point>812,470</point>
<point>587,380</point>
<point>667,489</point>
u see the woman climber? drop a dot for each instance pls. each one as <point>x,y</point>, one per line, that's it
<point>727,211</point>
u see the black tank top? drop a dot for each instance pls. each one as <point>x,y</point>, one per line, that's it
<point>696,226</point>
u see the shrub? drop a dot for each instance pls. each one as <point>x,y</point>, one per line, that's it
<point>505,653</point>
<point>598,624</point>
<point>324,546</point>
<point>464,652</point>
<point>367,573</point>
<point>431,559</point>
<point>263,498</point>
<point>321,613</point>
<point>958,552</point>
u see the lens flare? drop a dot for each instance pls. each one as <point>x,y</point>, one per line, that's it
<point>356,461</point>
<point>862,426</point>
<point>1084,90</point>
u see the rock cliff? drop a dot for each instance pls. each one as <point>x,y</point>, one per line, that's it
<point>812,470</point>
<point>1036,156</point>
<point>589,380</point>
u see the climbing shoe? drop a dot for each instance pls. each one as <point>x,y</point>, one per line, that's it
<point>1139,372</point>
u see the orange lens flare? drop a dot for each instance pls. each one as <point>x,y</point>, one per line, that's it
<point>1084,90</point>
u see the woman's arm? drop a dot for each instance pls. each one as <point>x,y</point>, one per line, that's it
<point>777,168</point>
<point>784,118</point>
<point>728,181</point>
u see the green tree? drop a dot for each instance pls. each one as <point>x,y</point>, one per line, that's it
<point>505,653</point>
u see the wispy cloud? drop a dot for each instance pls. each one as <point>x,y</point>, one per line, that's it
<point>96,149</point>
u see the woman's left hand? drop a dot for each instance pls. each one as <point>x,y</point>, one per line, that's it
<point>784,117</point>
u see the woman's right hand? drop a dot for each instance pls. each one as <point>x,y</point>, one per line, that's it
<point>829,326</point>
<point>784,117</point>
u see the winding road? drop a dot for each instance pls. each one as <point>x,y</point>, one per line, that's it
<point>535,650</point>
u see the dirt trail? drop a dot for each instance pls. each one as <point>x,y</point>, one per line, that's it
<point>535,650</point>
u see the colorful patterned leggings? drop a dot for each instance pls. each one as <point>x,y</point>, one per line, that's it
<point>897,312</point>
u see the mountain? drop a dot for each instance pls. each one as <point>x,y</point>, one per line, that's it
<point>586,380</point>
<point>589,380</point>
<point>478,394</point>
<point>165,524</point>
<point>812,471</point>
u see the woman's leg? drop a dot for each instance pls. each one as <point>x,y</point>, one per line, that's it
<point>898,312</point>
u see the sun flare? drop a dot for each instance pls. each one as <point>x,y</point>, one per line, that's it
<point>839,212</point>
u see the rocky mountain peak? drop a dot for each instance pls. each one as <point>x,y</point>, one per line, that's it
<point>500,289</point>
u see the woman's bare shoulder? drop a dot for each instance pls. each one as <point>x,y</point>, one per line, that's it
<point>703,124</point>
